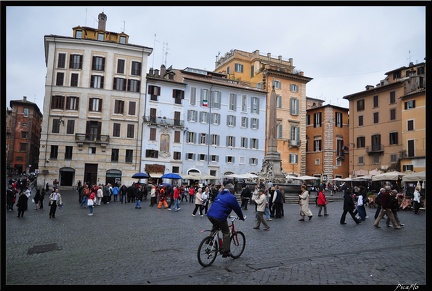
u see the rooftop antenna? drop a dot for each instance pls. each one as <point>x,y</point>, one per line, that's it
<point>409,57</point>
<point>85,20</point>
<point>217,57</point>
<point>165,53</point>
<point>154,45</point>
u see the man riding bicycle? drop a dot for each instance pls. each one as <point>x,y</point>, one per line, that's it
<point>219,211</point>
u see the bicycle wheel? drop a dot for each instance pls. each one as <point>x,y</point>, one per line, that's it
<point>207,251</point>
<point>238,244</point>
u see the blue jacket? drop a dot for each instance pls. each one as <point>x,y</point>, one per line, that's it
<point>222,206</point>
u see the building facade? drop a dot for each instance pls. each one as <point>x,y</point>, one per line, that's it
<point>23,133</point>
<point>266,72</point>
<point>93,107</point>
<point>387,123</point>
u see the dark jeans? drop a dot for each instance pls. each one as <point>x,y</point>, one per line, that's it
<point>342,220</point>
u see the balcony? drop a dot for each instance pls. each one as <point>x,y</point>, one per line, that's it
<point>375,149</point>
<point>162,121</point>
<point>294,143</point>
<point>98,139</point>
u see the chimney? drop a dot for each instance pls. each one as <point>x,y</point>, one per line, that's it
<point>269,55</point>
<point>368,87</point>
<point>24,98</point>
<point>162,70</point>
<point>102,21</point>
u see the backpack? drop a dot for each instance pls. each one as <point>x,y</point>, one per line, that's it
<point>378,200</point>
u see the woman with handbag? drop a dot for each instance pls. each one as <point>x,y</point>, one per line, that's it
<point>304,204</point>
<point>91,201</point>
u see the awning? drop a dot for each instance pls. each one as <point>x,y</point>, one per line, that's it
<point>155,175</point>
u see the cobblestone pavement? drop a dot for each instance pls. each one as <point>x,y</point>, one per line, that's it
<point>121,245</point>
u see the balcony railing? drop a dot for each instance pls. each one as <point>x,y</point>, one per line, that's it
<point>375,149</point>
<point>152,120</point>
<point>101,139</point>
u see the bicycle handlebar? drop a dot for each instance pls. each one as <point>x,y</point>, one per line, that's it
<point>234,217</point>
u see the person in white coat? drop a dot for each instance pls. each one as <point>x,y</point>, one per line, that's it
<point>304,204</point>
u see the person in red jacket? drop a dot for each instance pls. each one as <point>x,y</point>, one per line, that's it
<point>176,197</point>
<point>322,202</point>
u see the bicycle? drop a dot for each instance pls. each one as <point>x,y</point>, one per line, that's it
<point>212,244</point>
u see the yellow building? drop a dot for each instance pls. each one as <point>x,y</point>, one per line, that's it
<point>266,72</point>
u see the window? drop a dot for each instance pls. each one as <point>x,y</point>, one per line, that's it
<point>134,85</point>
<point>232,102</point>
<point>56,126</point>
<point>375,101</point>
<point>230,142</point>
<point>393,138</point>
<point>119,84</point>
<point>120,66</point>
<point>101,36</point>
<point>98,64</point>
<point>136,69</point>
<point>361,142</point>
<point>130,131</point>
<point>253,161</point>
<point>360,120</point>
<point>393,114</point>
<point>244,103</point>
<point>26,112</point>
<point>238,68</point>
<point>72,103</point>
<point>293,158</point>
<point>216,99</point>
<point>376,142</point>
<point>410,125</point>
<point>294,88</point>
<point>410,104</point>
<point>231,120</point>
<point>95,104</point>
<point>295,135</point>
<point>278,101</point>
<point>279,131</point>
<point>68,153</point>
<point>97,81</point>
<point>24,134</point>
<point>317,162</point>
<point>177,156</point>
<point>23,147</point>
<point>74,80</point>
<point>392,97</point>
<point>114,155</point>
<point>116,129</point>
<point>152,154</point>
<point>255,105</point>
<point>294,106</point>
<point>393,158</point>
<point>244,122</point>
<point>192,99</point>
<point>252,71</point>
<point>70,127</point>
<point>254,143</point>
<point>214,139</point>
<point>61,62</point>
<point>177,136</point>
<point>229,159</point>
<point>203,117</point>
<point>191,137</point>
<point>228,70</point>
<point>243,142</point>
<point>376,117</point>
<point>277,84</point>
<point>154,92</point>
<point>407,168</point>
<point>202,157</point>
<point>60,79</point>
<point>190,156</point>
<point>118,106</point>
<point>360,105</point>
<point>75,62</point>
<point>254,123</point>
<point>215,118</point>
<point>152,134</point>
<point>214,158</point>
<point>122,39</point>
<point>78,34</point>
<point>178,96</point>
<point>361,160</point>
<point>242,161</point>
<point>317,145</point>
<point>202,139</point>
<point>317,119</point>
<point>192,115</point>
<point>338,119</point>
<point>375,159</point>
<point>54,152</point>
<point>308,119</point>
<point>129,156</point>
<point>132,108</point>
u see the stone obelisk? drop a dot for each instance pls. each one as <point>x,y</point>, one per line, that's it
<point>272,164</point>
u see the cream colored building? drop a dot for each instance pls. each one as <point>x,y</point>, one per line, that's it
<point>93,107</point>
<point>387,123</point>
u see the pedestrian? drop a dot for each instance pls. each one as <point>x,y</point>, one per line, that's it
<point>378,202</point>
<point>348,207</point>
<point>85,195</point>
<point>99,195</point>
<point>322,202</point>
<point>198,202</point>
<point>191,194</point>
<point>176,197</point>
<point>386,209</point>
<point>245,195</point>
<point>277,202</point>
<point>395,204</point>
<point>22,204</point>
<point>162,198</point>
<point>28,192</point>
<point>123,194</point>
<point>184,193</point>
<point>47,188</point>
<point>255,195</point>
<point>360,207</point>
<point>91,201</point>
<point>261,202</point>
<point>138,197</point>
<point>36,199</point>
<point>11,197</point>
<point>224,203</point>
<point>416,200</point>
<point>304,204</point>
<point>153,195</point>
<point>205,200</point>
<point>54,201</point>
<point>42,197</point>
<point>115,192</point>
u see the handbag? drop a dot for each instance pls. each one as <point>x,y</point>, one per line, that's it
<point>90,202</point>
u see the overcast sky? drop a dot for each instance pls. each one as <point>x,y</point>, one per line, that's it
<point>342,48</point>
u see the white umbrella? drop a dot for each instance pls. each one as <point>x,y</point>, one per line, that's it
<point>390,176</point>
